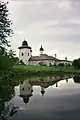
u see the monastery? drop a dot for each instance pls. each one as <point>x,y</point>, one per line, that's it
<point>25,54</point>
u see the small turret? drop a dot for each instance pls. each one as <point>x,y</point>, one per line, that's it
<point>55,55</point>
<point>42,91</point>
<point>41,50</point>
<point>66,58</point>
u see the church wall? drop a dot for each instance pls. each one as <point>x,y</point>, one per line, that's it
<point>44,62</point>
<point>24,55</point>
<point>47,62</point>
<point>64,62</point>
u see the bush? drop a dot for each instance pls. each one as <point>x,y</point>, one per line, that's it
<point>76,63</point>
<point>61,64</point>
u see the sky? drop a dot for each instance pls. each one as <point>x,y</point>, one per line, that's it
<point>53,23</point>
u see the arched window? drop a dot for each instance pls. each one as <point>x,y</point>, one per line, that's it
<point>22,54</point>
<point>28,54</point>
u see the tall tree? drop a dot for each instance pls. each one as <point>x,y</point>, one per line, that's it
<point>5,27</point>
<point>6,60</point>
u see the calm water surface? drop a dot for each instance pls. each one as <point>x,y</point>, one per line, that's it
<point>41,98</point>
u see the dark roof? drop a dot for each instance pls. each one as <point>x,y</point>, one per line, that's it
<point>24,45</point>
<point>41,48</point>
<point>65,61</point>
<point>43,57</point>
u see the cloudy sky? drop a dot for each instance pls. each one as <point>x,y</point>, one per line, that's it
<point>53,23</point>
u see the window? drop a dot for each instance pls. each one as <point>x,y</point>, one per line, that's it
<point>22,89</point>
<point>22,54</point>
<point>28,54</point>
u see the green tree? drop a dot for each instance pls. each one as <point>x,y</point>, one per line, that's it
<point>5,32</point>
<point>76,63</point>
<point>5,27</point>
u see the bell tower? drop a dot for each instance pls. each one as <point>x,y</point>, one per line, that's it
<point>25,52</point>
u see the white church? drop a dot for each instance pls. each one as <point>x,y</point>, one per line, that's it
<point>25,55</point>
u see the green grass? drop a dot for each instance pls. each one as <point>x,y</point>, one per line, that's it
<point>44,70</point>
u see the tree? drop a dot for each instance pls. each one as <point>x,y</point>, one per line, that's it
<point>5,30</point>
<point>6,56</point>
<point>76,63</point>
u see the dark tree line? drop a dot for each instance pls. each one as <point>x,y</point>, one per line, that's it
<point>6,55</point>
<point>76,63</point>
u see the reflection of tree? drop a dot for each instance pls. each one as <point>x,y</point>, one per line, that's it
<point>8,111</point>
<point>76,79</point>
<point>6,94</point>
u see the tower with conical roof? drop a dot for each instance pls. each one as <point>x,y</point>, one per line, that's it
<point>41,50</point>
<point>25,52</point>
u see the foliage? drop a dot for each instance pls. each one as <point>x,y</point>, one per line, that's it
<point>44,68</point>
<point>5,30</point>
<point>6,58</point>
<point>76,63</point>
<point>61,64</point>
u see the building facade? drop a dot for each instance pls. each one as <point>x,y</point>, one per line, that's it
<point>25,55</point>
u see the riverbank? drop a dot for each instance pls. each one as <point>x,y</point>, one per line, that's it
<point>44,70</point>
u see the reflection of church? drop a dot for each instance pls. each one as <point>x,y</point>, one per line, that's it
<point>26,91</point>
<point>26,88</point>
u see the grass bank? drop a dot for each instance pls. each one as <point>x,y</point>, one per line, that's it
<point>44,70</point>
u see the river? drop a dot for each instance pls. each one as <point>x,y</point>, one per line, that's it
<point>40,98</point>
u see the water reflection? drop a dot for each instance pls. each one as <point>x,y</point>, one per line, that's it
<point>26,90</point>
<point>26,87</point>
<point>27,93</point>
<point>7,92</point>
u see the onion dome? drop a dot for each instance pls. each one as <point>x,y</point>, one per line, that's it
<point>26,97</point>
<point>26,100</point>
<point>41,49</point>
<point>24,43</point>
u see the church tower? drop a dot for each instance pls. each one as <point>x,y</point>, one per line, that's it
<point>41,50</point>
<point>25,52</point>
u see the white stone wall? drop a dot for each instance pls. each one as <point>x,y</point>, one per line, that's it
<point>45,62</point>
<point>26,55</point>
<point>65,62</point>
<point>41,52</point>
